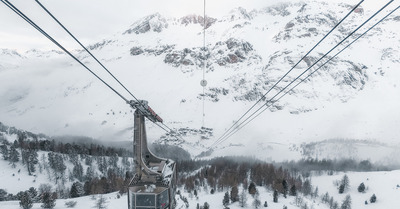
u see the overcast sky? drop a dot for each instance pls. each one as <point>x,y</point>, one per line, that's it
<point>92,20</point>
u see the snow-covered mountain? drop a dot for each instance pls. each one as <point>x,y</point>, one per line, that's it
<point>161,59</point>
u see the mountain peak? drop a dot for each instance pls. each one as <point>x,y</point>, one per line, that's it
<point>239,13</point>
<point>154,22</point>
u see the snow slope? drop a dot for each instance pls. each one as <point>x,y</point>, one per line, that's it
<point>382,184</point>
<point>385,185</point>
<point>160,59</point>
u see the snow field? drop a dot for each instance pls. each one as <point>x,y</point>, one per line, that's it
<point>383,184</point>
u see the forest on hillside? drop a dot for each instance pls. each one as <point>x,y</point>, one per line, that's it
<point>80,169</point>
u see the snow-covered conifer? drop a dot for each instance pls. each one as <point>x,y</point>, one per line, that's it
<point>293,190</point>
<point>77,171</point>
<point>346,182</point>
<point>14,156</point>
<point>225,201</point>
<point>26,201</point>
<point>275,198</point>
<point>256,201</point>
<point>76,190</point>
<point>346,203</point>
<point>48,200</point>
<point>101,203</point>
<point>4,150</point>
<point>361,187</point>
<point>373,198</point>
<point>252,188</point>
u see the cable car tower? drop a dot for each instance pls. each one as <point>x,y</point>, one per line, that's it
<point>154,182</point>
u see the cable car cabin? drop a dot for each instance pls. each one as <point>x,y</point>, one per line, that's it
<point>144,194</point>
<point>154,183</point>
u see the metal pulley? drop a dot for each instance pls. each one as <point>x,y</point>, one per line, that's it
<point>203,83</point>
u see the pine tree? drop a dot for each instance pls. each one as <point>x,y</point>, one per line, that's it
<point>285,188</point>
<point>346,203</point>
<point>361,188</point>
<point>3,195</point>
<point>341,188</point>
<point>14,156</point>
<point>212,191</point>
<point>307,189</point>
<point>346,182</point>
<point>77,171</point>
<point>33,193</point>
<point>56,162</point>
<point>113,161</point>
<point>59,162</point>
<point>102,165</point>
<point>30,157</point>
<point>87,187</point>
<point>44,188</point>
<point>335,205</point>
<point>293,190</point>
<point>89,173</point>
<point>373,198</point>
<point>252,188</point>
<point>76,190</point>
<point>21,140</point>
<point>325,198</point>
<point>256,201</point>
<point>315,194</point>
<point>26,201</point>
<point>48,200</point>
<point>275,199</point>
<point>225,201</point>
<point>206,205</point>
<point>88,160</point>
<point>4,150</point>
<point>234,194</point>
<point>331,202</point>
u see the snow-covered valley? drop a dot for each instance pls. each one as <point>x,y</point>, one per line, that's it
<point>346,115</point>
<point>355,96</point>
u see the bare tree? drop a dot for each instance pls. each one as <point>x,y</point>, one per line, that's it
<point>101,203</point>
<point>242,198</point>
<point>256,201</point>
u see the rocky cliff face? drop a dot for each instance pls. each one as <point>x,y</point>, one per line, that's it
<point>154,22</point>
<point>230,47</point>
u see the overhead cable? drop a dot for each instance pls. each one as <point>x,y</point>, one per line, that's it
<point>33,24</point>
<point>23,16</point>
<point>270,100</point>
<point>302,80</point>
<point>264,96</point>
<point>48,12</point>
